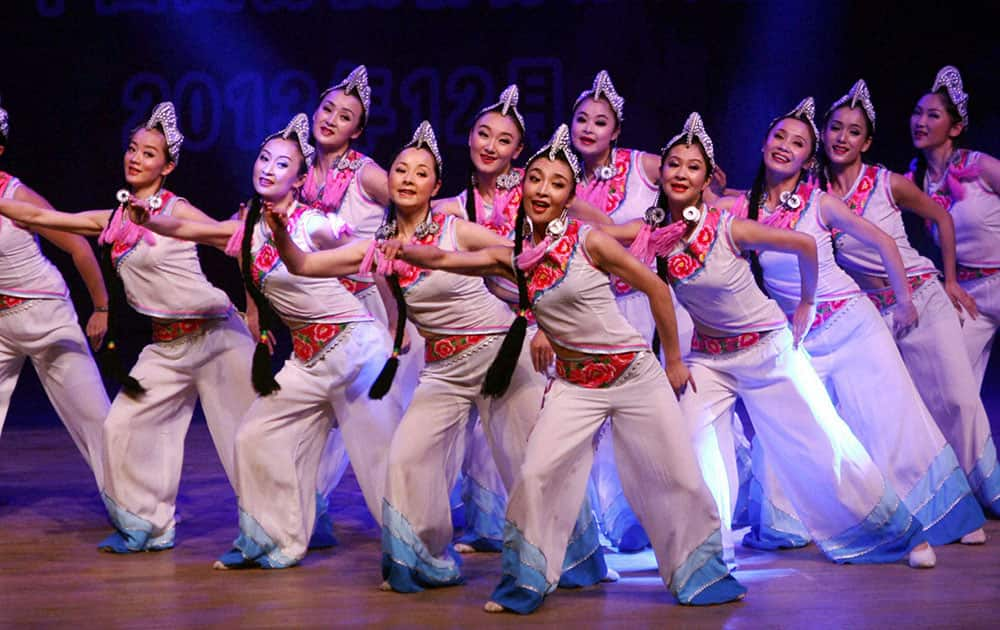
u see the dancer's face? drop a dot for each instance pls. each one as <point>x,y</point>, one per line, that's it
<point>594,127</point>
<point>146,159</point>
<point>930,123</point>
<point>548,189</point>
<point>788,147</point>
<point>337,121</point>
<point>494,142</point>
<point>278,169</point>
<point>684,175</point>
<point>845,136</point>
<point>412,179</point>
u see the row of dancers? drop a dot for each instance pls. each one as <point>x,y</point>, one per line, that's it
<point>569,337</point>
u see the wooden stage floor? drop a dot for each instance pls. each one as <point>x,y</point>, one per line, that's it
<point>52,575</point>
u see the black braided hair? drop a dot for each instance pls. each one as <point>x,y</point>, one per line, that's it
<point>261,374</point>
<point>384,380</point>
<point>499,374</point>
<point>108,355</point>
<point>470,196</point>
<point>661,263</point>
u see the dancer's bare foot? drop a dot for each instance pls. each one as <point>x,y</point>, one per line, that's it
<point>493,607</point>
<point>922,557</point>
<point>977,537</point>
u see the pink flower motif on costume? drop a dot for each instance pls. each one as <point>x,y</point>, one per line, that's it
<point>595,371</point>
<point>265,261</point>
<point>553,265</point>
<point>681,266</point>
<point>620,287</point>
<point>446,347</point>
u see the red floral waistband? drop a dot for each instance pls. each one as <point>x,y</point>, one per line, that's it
<point>356,286</point>
<point>9,301</point>
<point>164,331</point>
<point>724,345</point>
<point>824,311</point>
<point>595,371</point>
<point>884,298</point>
<point>441,348</point>
<point>965,274</point>
<point>309,341</point>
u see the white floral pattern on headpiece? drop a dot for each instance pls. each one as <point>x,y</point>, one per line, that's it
<point>604,87</point>
<point>424,138</point>
<point>560,143</point>
<point>356,83</point>
<point>858,94</point>
<point>806,112</point>
<point>694,128</point>
<point>4,124</point>
<point>507,105</point>
<point>950,79</point>
<point>165,118</point>
<point>298,126</point>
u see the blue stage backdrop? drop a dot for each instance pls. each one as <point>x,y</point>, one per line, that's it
<point>78,76</point>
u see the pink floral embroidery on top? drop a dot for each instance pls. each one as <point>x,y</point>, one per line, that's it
<point>607,195</point>
<point>408,274</point>
<point>267,258</point>
<point>552,269</point>
<point>690,260</point>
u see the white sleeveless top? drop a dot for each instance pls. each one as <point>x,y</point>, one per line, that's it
<point>360,211</point>
<point>627,196</point>
<point>299,298</point>
<point>871,198</point>
<point>445,303</point>
<point>164,279</point>
<point>781,270</point>
<point>977,218</point>
<point>714,282</point>
<point>24,271</point>
<point>573,302</point>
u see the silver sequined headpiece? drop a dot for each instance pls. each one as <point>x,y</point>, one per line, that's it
<point>424,138</point>
<point>694,128</point>
<point>806,112</point>
<point>165,118</point>
<point>560,143</point>
<point>4,124</point>
<point>506,106</point>
<point>356,83</point>
<point>298,126</point>
<point>949,78</point>
<point>858,95</point>
<point>604,87</point>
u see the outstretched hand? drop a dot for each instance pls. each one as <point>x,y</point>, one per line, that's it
<point>680,377</point>
<point>277,222</point>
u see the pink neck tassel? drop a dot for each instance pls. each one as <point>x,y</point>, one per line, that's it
<point>530,257</point>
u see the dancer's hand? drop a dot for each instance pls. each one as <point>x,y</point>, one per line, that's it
<point>541,353</point>
<point>904,318</point>
<point>97,327</point>
<point>138,210</point>
<point>718,182</point>
<point>391,248</point>
<point>679,377</point>
<point>802,321</point>
<point>961,300</point>
<point>276,221</point>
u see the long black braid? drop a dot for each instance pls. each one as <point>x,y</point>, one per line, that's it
<point>383,383</point>
<point>261,374</point>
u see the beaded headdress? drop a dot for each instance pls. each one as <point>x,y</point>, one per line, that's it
<point>560,142</point>
<point>4,124</point>
<point>165,118</point>
<point>356,83</point>
<point>424,138</point>
<point>949,78</point>
<point>506,106</point>
<point>694,128</point>
<point>298,126</point>
<point>806,112</point>
<point>858,95</point>
<point>604,87</point>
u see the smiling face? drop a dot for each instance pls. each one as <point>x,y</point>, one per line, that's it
<point>933,122</point>
<point>846,135</point>
<point>789,145</point>
<point>548,189</point>
<point>278,169</point>
<point>594,128</point>
<point>413,179</point>
<point>337,121</point>
<point>495,141</point>
<point>684,175</point>
<point>146,159</point>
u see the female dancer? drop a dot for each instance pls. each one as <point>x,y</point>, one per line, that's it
<point>198,343</point>
<point>965,183</point>
<point>605,368</point>
<point>852,350</point>
<point>743,347</point>
<point>338,348</point>
<point>622,183</point>
<point>463,324</point>
<point>37,320</point>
